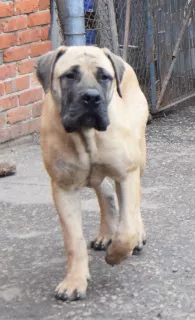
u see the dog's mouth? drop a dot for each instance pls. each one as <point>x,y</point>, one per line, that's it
<point>87,120</point>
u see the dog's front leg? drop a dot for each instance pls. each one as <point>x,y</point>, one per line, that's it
<point>74,285</point>
<point>130,223</point>
<point>105,195</point>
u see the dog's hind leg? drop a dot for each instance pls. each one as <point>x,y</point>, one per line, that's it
<point>141,233</point>
<point>74,286</point>
<point>105,195</point>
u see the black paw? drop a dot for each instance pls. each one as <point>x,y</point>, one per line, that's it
<point>139,247</point>
<point>100,245</point>
<point>75,295</point>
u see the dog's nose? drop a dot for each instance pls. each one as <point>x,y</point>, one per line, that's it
<point>91,96</point>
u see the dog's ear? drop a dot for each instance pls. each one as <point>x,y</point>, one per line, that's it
<point>118,66</point>
<point>45,65</point>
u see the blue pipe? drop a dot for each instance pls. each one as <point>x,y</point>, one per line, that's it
<point>74,22</point>
<point>151,58</point>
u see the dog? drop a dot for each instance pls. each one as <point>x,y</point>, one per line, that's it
<point>92,131</point>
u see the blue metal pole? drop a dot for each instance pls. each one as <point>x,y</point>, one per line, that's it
<point>74,22</point>
<point>151,59</point>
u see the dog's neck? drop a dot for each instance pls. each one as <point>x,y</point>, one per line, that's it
<point>89,141</point>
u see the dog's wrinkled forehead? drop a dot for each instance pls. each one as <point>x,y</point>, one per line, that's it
<point>88,58</point>
<point>55,63</point>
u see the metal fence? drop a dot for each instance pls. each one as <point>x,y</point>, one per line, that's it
<point>174,51</point>
<point>157,37</point>
<point>109,25</point>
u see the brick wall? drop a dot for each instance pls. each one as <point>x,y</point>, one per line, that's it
<point>24,31</point>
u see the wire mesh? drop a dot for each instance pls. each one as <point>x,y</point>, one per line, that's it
<point>105,27</point>
<point>168,18</point>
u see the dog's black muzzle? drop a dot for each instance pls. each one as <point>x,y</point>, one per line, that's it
<point>90,111</point>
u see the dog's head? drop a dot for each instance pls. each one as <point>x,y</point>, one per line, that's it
<point>82,81</point>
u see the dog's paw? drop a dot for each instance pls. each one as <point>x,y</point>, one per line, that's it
<point>72,289</point>
<point>100,243</point>
<point>139,247</point>
<point>121,247</point>
<point>140,244</point>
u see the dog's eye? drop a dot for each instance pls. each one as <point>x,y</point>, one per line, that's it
<point>104,77</point>
<point>70,76</point>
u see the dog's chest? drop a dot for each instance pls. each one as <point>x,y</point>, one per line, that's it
<point>109,157</point>
<point>96,157</point>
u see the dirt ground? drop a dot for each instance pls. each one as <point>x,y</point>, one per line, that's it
<point>158,284</point>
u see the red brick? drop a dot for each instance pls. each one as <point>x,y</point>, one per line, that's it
<point>7,40</point>
<point>28,36</point>
<point>26,6</point>
<point>7,71</point>
<point>10,86</point>
<point>31,126</point>
<point>2,121</point>
<point>17,84</point>
<point>30,96</point>
<point>1,27</point>
<point>15,23</point>
<point>37,109</point>
<point>39,18</point>
<point>20,129</point>
<point>37,49</point>
<point>18,114</point>
<point>26,66</point>
<point>9,102</point>
<point>15,54</point>
<point>22,83</point>
<point>44,4</point>
<point>2,88</point>
<point>45,33</point>
<point>6,9</point>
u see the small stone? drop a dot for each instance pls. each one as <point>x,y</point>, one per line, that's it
<point>135,295</point>
<point>174,270</point>
<point>159,315</point>
<point>7,167</point>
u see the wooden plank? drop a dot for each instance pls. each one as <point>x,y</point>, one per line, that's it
<point>127,26</point>
<point>112,19</point>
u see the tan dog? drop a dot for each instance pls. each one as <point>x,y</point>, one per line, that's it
<point>93,127</point>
